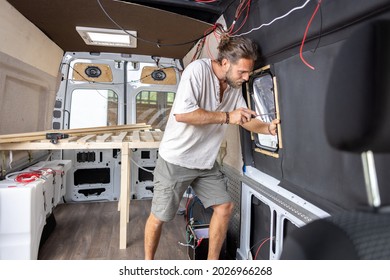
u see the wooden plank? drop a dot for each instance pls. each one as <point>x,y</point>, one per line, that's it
<point>268,153</point>
<point>59,146</point>
<point>120,137</point>
<point>40,135</point>
<point>86,138</point>
<point>104,129</point>
<point>27,134</point>
<point>124,193</point>
<point>75,146</point>
<point>157,134</point>
<point>148,136</point>
<point>69,139</point>
<point>136,137</point>
<point>23,139</point>
<point>103,138</point>
<point>278,127</point>
<point>144,145</point>
<point>41,141</point>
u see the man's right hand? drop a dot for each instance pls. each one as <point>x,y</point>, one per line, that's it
<point>241,116</point>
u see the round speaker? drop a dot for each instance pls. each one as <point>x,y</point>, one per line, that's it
<point>158,75</point>
<point>93,71</point>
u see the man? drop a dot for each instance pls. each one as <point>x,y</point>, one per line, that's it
<point>208,99</point>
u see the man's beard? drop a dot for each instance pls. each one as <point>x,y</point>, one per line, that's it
<point>231,82</point>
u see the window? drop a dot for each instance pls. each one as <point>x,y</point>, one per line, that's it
<point>153,108</point>
<point>92,107</point>
<point>108,37</point>
<point>262,100</point>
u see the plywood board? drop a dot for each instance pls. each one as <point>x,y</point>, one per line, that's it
<point>147,78</point>
<point>103,71</point>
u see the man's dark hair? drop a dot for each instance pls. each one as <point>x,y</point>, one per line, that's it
<point>235,48</point>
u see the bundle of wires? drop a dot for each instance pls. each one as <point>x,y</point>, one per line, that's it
<point>190,236</point>
<point>196,212</point>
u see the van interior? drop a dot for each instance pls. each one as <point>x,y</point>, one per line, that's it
<point>86,89</point>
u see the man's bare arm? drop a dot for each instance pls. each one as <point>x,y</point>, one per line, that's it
<point>201,117</point>
<point>240,116</point>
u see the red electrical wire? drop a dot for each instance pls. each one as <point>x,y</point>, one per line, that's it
<point>203,42</point>
<point>236,16</point>
<point>199,241</point>
<point>305,34</point>
<point>261,245</point>
<point>240,8</point>
<point>244,5</point>
<point>243,22</point>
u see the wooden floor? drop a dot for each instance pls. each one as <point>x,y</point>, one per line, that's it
<point>90,231</point>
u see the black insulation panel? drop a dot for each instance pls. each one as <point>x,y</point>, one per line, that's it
<point>307,164</point>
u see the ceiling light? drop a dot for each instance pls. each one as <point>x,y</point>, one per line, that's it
<point>108,37</point>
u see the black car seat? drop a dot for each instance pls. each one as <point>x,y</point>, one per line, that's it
<point>357,120</point>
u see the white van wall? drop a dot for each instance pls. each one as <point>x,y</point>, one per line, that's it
<point>29,64</point>
<point>29,67</point>
<point>24,41</point>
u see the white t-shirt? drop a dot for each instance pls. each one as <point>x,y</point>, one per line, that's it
<point>197,146</point>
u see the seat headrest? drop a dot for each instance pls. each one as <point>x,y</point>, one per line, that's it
<point>357,109</point>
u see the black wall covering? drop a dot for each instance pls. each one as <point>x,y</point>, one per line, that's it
<point>283,37</point>
<point>363,105</point>
<point>307,164</point>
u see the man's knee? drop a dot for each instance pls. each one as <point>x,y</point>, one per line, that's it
<point>154,221</point>
<point>224,209</point>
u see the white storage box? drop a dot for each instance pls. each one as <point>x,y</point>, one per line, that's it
<point>59,169</point>
<point>22,218</point>
<point>47,178</point>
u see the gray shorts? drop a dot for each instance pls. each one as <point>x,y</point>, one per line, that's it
<point>171,181</point>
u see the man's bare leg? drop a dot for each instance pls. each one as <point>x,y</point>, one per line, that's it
<point>153,229</point>
<point>218,227</point>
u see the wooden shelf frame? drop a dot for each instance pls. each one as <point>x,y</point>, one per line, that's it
<point>124,138</point>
